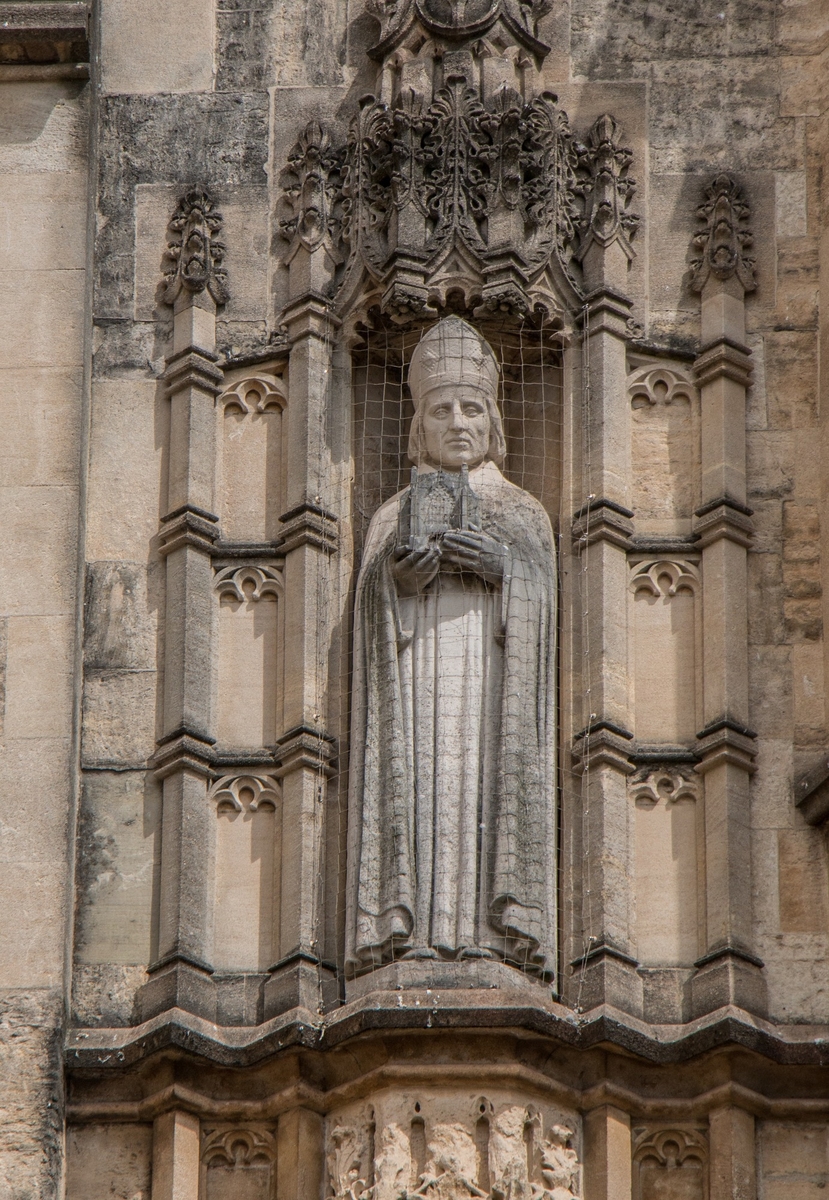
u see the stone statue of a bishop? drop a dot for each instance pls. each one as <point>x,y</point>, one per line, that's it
<point>452,787</point>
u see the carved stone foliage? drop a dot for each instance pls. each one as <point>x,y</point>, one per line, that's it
<point>312,190</point>
<point>245,793</point>
<point>654,387</point>
<point>669,783</point>
<point>248,582</point>
<point>607,186</point>
<point>493,180</point>
<point>194,255</point>
<point>254,393</point>
<point>458,1148</point>
<point>457,176</point>
<point>665,577</point>
<point>724,237</point>
<point>670,1162</point>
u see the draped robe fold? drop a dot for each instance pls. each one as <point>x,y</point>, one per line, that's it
<point>452,831</point>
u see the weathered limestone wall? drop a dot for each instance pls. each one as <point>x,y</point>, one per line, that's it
<point>214,93</point>
<point>693,95</point>
<point>43,211</point>
<point>742,87</point>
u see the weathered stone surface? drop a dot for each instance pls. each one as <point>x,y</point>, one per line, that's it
<point>149,48</point>
<point>118,857</point>
<point>214,95</point>
<point>31,1102</point>
<point>109,1160</point>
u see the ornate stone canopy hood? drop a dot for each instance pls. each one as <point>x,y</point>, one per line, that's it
<point>460,175</point>
<point>459,19</point>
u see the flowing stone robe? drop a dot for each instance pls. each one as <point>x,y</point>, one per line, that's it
<point>452,787</point>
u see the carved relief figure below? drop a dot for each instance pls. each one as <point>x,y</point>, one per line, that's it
<point>452,791</point>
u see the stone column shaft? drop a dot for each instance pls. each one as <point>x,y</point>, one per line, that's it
<point>176,1146</point>
<point>180,974</point>
<point>300,1155</point>
<point>602,529</point>
<point>728,973</point>
<point>733,1171</point>
<point>187,642</point>
<point>607,1155</point>
<point>309,538</point>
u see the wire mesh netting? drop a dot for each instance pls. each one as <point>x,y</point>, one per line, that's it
<point>447,800</point>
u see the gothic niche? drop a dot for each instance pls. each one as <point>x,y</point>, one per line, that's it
<point>248,667</point>
<point>246,871</point>
<point>452,790</point>
<point>449,230</point>
<point>664,448</point>
<point>251,469</point>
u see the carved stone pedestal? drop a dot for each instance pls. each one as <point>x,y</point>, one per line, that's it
<point>728,977</point>
<point>300,982</point>
<point>434,974</point>
<point>606,975</point>
<point>178,985</point>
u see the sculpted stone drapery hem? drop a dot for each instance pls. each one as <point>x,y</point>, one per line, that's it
<point>452,809</point>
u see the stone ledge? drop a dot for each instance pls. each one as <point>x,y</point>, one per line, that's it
<point>108,1050</point>
<point>35,34</point>
<point>811,793</point>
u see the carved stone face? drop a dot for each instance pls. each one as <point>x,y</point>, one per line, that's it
<point>455,426</point>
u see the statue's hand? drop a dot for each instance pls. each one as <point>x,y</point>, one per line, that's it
<point>475,552</point>
<point>414,570</point>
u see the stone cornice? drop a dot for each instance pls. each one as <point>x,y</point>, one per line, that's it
<point>723,518</point>
<point>603,743</point>
<point>723,359</point>
<point>108,1052</point>
<point>308,525</point>
<point>726,741</point>
<point>193,367</point>
<point>183,750</point>
<point>602,520</point>
<point>309,315</point>
<point>649,545</point>
<point>188,526</point>
<point>37,35</point>
<point>304,747</point>
<point>607,311</point>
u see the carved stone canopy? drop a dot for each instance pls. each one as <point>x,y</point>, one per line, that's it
<point>459,19</point>
<point>459,175</point>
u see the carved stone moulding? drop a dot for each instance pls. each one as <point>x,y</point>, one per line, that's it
<point>456,178</point>
<point>250,581</point>
<point>243,1158</point>
<point>607,186</point>
<point>449,1144</point>
<point>654,386</point>
<point>665,577</point>
<point>671,1162</point>
<point>669,782</point>
<point>245,793</point>
<point>253,393</point>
